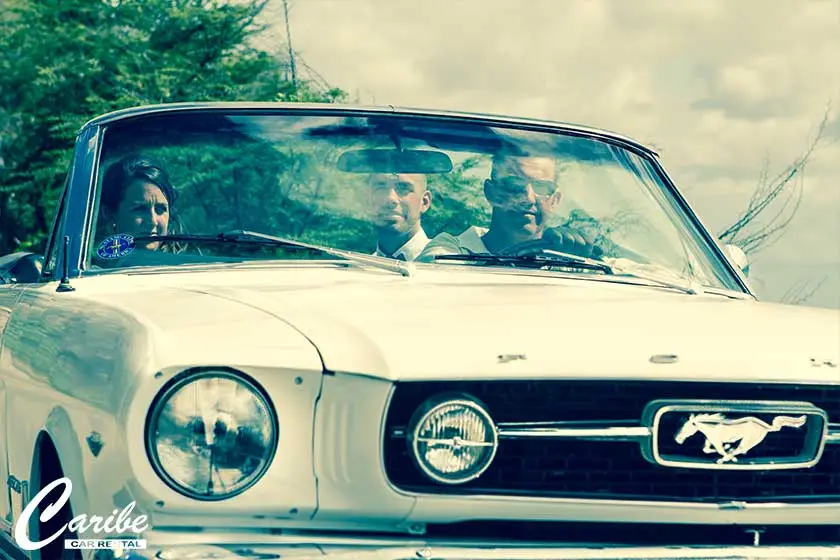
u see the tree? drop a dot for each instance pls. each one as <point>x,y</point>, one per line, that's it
<point>802,291</point>
<point>65,61</point>
<point>781,194</point>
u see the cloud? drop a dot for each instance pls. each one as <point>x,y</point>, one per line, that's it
<point>718,86</point>
<point>832,129</point>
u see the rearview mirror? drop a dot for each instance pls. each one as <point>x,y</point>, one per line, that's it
<point>739,257</point>
<point>394,161</point>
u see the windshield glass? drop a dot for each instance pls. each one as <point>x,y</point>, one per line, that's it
<point>407,188</point>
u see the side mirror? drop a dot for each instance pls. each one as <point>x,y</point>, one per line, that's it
<point>739,257</point>
<point>21,268</point>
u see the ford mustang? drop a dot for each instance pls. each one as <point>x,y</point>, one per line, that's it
<point>260,330</point>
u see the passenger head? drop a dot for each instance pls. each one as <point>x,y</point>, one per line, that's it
<point>137,198</point>
<point>523,192</point>
<point>397,201</point>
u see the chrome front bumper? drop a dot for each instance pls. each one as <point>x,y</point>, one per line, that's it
<point>178,545</point>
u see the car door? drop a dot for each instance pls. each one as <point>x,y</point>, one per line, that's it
<point>13,494</point>
<point>9,296</point>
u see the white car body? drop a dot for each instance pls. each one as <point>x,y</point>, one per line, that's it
<point>328,343</point>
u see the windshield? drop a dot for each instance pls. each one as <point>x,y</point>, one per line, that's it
<point>172,187</point>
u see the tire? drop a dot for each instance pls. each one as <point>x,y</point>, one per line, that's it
<point>50,470</point>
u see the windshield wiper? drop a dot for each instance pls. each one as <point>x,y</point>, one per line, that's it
<point>550,258</point>
<point>547,258</point>
<point>252,237</point>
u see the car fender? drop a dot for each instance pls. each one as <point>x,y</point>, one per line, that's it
<point>58,427</point>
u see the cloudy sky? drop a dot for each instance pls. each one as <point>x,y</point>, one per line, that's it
<point>717,86</point>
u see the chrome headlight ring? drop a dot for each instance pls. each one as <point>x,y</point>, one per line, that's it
<point>452,439</point>
<point>211,433</point>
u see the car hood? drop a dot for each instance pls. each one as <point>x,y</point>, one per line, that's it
<point>486,325</point>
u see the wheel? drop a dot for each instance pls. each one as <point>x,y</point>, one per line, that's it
<point>50,470</point>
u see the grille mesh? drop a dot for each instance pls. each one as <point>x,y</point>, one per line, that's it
<point>567,468</point>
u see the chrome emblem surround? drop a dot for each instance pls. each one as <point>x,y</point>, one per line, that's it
<point>721,434</point>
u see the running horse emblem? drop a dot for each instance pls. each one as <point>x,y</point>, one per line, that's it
<point>730,438</point>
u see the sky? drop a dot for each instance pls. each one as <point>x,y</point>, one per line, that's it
<point>718,87</point>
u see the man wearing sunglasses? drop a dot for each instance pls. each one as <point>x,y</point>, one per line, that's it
<point>524,193</point>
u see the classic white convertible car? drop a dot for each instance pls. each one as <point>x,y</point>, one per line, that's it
<point>263,330</point>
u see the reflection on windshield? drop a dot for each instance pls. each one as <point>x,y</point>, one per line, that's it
<point>411,189</point>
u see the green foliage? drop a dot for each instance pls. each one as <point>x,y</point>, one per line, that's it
<point>63,62</point>
<point>457,199</point>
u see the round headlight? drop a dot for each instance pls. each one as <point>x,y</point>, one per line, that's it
<point>211,435</point>
<point>453,440</point>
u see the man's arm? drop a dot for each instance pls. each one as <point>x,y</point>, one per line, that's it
<point>442,244</point>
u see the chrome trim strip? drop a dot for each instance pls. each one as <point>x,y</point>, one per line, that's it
<point>598,431</point>
<point>567,430</point>
<point>345,109</point>
<point>833,434</point>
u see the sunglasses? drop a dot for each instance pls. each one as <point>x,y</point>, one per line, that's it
<point>513,184</point>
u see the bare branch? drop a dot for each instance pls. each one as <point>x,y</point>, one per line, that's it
<point>786,189</point>
<point>800,293</point>
<point>312,72</point>
<point>289,40</point>
<point>776,228</point>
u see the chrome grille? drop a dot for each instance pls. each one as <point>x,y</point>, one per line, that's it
<point>608,469</point>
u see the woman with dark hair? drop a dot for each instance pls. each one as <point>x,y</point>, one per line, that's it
<point>137,198</point>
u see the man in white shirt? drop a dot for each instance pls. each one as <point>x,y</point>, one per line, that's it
<point>523,192</point>
<point>398,201</point>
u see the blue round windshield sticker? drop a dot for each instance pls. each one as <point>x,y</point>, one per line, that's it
<point>116,246</point>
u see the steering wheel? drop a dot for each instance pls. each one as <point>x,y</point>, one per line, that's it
<point>559,240</point>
